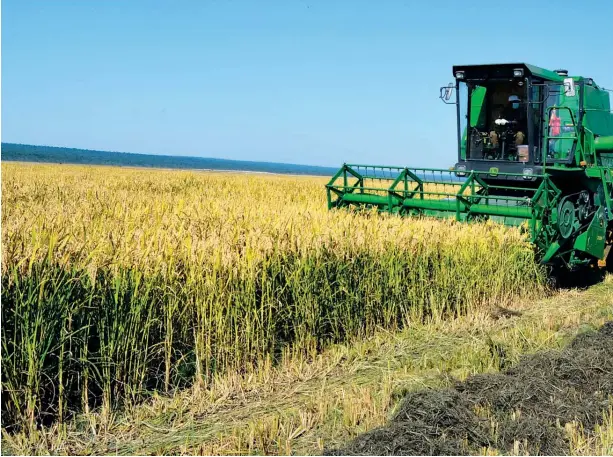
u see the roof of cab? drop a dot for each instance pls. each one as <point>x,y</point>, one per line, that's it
<point>533,69</point>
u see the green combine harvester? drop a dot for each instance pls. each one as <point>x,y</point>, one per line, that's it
<point>535,149</point>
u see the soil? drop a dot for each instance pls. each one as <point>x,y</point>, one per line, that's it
<point>528,403</point>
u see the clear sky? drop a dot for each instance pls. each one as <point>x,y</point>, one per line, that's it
<point>301,81</point>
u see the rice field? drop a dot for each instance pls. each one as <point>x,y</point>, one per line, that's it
<point>121,283</point>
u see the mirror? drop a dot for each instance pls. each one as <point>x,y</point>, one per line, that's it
<point>447,92</point>
<point>569,87</point>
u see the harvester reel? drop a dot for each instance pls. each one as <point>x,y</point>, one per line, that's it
<point>566,218</point>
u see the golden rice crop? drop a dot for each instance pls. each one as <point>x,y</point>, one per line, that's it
<point>118,282</point>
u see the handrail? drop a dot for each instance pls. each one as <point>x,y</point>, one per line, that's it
<point>549,137</point>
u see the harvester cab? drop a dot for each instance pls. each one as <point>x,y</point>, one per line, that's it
<point>535,149</point>
<point>505,112</point>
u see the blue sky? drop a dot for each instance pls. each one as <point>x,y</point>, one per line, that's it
<point>302,81</point>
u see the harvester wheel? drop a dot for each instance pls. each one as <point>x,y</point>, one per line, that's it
<point>566,218</point>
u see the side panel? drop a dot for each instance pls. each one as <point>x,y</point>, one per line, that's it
<point>598,117</point>
<point>592,241</point>
<point>477,108</point>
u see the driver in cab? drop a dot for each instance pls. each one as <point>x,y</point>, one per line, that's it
<point>511,116</point>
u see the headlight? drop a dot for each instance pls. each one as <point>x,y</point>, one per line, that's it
<point>460,170</point>
<point>459,74</point>
<point>518,72</point>
<point>528,173</point>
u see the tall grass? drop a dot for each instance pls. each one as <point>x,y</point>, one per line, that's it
<point>118,282</point>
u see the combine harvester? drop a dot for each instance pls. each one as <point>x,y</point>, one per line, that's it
<point>535,149</point>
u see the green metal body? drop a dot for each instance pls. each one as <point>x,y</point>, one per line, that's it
<point>555,177</point>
